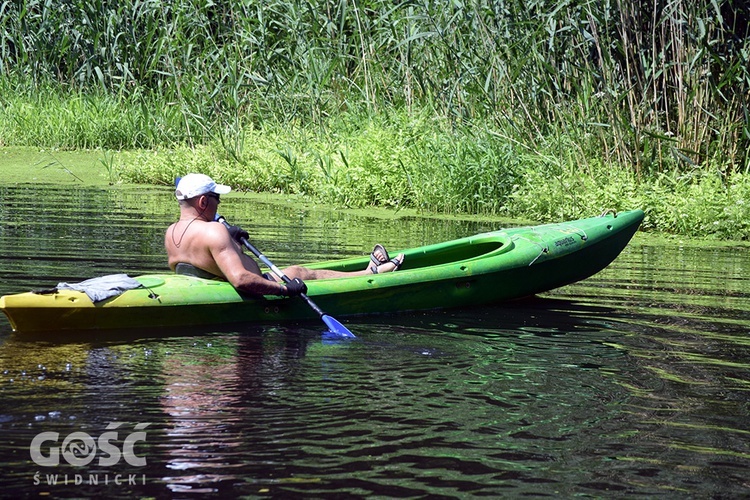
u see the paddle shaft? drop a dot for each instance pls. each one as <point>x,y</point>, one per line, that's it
<point>278,272</point>
<point>327,319</point>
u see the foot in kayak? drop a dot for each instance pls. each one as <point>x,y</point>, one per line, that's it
<point>391,265</point>
<point>378,256</point>
<point>382,262</point>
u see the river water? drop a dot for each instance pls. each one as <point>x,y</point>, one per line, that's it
<point>634,382</point>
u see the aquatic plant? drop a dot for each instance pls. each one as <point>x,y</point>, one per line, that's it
<point>458,107</point>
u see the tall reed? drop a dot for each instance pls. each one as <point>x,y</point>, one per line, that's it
<point>649,86</point>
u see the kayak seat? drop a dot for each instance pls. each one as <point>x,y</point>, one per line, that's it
<point>190,270</point>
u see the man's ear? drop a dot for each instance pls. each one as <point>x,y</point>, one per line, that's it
<point>203,202</point>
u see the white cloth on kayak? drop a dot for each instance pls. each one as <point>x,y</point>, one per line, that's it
<point>103,287</point>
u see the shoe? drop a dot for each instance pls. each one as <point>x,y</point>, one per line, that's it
<point>396,261</point>
<point>378,262</point>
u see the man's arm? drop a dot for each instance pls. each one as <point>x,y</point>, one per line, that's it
<point>239,269</point>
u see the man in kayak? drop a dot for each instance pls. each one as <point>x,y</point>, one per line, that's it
<point>196,244</point>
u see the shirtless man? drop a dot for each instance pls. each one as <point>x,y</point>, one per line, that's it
<point>197,240</point>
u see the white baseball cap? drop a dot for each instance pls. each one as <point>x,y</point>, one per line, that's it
<point>193,185</point>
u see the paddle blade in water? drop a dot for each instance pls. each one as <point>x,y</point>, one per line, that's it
<point>337,328</point>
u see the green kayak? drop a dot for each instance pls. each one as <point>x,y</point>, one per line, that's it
<point>482,269</point>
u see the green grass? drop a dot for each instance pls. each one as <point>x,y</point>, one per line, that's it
<point>20,165</point>
<point>650,87</point>
<point>702,205</point>
<point>48,116</point>
<point>529,109</point>
<point>401,164</point>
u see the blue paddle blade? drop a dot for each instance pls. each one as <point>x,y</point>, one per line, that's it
<point>336,327</point>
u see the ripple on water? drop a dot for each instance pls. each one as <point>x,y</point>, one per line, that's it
<point>632,382</point>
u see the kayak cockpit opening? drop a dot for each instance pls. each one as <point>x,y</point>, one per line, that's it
<point>460,250</point>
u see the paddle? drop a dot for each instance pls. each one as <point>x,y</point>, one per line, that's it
<point>333,325</point>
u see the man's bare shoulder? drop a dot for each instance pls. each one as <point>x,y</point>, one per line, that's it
<point>199,233</point>
<point>195,234</point>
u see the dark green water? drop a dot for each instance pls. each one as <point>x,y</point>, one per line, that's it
<point>632,383</point>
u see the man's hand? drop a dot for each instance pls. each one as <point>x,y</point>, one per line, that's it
<point>237,233</point>
<point>294,288</point>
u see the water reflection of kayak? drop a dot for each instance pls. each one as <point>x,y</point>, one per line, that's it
<point>482,269</point>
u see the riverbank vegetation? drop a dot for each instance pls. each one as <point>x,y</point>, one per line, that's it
<point>543,110</point>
